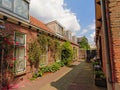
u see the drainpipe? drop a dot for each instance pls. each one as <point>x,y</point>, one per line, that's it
<point>106,29</point>
<point>110,43</point>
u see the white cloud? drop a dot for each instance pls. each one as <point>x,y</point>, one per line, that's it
<point>84,31</point>
<point>91,38</point>
<point>92,26</point>
<point>88,28</point>
<point>49,10</point>
<point>89,32</point>
<point>92,35</point>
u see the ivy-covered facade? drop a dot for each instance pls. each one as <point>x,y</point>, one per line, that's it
<point>26,45</point>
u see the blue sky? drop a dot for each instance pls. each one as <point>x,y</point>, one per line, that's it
<point>75,15</point>
<point>85,12</point>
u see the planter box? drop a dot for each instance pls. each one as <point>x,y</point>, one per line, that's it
<point>100,82</point>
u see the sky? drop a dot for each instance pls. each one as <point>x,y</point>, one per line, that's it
<point>78,16</point>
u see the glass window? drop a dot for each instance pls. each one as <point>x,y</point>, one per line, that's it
<point>20,64</point>
<point>25,9</point>
<point>7,4</point>
<point>58,56</point>
<point>20,38</point>
<point>20,59</point>
<point>21,8</point>
<point>0,2</point>
<point>44,58</point>
<point>18,7</point>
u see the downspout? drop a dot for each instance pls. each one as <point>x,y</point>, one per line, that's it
<point>110,43</point>
<point>107,42</point>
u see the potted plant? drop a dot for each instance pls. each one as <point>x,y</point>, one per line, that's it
<point>100,79</point>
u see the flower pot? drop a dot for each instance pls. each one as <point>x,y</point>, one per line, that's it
<point>100,82</point>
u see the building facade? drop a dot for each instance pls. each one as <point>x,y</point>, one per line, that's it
<point>108,40</point>
<point>17,30</point>
<point>56,27</point>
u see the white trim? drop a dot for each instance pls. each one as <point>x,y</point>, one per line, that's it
<point>25,53</point>
<point>16,71</point>
<point>46,55</point>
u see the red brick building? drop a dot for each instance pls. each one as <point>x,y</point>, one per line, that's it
<point>18,29</point>
<point>108,40</point>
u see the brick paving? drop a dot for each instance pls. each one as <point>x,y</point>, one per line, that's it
<point>79,76</point>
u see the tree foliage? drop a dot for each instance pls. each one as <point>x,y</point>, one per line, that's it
<point>84,43</point>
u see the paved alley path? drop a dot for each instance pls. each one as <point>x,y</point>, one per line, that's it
<point>78,76</point>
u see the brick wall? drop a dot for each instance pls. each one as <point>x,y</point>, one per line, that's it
<point>30,36</point>
<point>114,8</point>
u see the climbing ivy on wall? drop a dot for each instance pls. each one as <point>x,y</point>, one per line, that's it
<point>34,52</point>
<point>36,48</point>
<point>43,41</point>
<point>57,50</point>
<point>66,53</point>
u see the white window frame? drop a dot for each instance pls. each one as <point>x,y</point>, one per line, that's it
<point>46,54</point>
<point>15,72</point>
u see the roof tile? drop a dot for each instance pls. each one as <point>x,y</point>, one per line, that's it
<point>38,23</point>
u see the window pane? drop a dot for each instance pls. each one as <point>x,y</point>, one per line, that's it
<point>21,52</point>
<point>20,38</point>
<point>7,4</point>
<point>25,9</point>
<point>20,60</point>
<point>43,60</point>
<point>17,53</point>
<point>0,2</point>
<point>21,8</point>
<point>18,7</point>
<point>20,65</point>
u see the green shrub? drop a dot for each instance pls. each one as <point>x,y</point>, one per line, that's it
<point>45,69</point>
<point>38,74</point>
<point>66,53</point>
<point>100,74</point>
<point>95,63</point>
<point>52,68</point>
<point>61,64</point>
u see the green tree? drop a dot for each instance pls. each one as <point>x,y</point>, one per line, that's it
<point>84,43</point>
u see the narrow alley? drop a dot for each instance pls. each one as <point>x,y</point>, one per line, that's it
<point>79,76</point>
